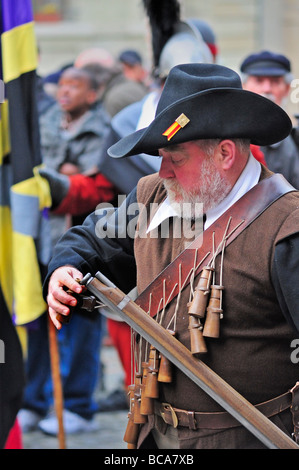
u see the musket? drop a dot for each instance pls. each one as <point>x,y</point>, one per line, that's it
<point>211,383</point>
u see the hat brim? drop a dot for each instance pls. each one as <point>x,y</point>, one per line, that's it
<point>214,113</point>
<point>273,71</point>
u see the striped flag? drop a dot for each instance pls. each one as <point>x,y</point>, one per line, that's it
<point>29,194</point>
<point>24,198</point>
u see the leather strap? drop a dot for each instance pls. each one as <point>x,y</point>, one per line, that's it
<point>295,411</point>
<point>245,210</point>
<point>220,420</point>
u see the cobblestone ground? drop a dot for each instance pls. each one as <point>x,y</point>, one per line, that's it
<point>112,425</point>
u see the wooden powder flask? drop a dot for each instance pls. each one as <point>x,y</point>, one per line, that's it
<point>198,344</point>
<point>132,446</point>
<point>131,432</point>
<point>138,417</point>
<point>146,404</point>
<point>165,366</point>
<point>152,386</point>
<point>214,313</point>
<point>132,429</point>
<point>131,392</point>
<point>200,299</point>
<point>165,372</point>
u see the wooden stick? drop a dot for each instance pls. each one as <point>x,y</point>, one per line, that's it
<point>57,384</point>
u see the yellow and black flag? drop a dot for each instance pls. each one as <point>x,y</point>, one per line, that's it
<point>24,199</point>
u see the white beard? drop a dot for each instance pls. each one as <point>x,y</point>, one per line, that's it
<point>210,190</point>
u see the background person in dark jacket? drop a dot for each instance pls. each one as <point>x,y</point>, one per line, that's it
<point>269,74</point>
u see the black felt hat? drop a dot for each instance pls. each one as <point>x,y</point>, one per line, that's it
<point>206,101</point>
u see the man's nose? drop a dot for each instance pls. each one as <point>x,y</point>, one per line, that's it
<point>166,170</point>
<point>267,86</point>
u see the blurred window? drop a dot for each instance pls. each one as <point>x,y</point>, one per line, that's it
<point>47,11</point>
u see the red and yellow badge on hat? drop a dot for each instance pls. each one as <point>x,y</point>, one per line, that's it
<point>178,124</point>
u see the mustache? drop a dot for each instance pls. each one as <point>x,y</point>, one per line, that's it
<point>270,96</point>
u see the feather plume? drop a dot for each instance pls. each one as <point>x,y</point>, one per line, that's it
<point>162,15</point>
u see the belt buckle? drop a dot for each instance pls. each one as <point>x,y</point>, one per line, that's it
<point>174,417</point>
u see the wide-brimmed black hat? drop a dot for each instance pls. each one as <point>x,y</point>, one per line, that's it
<point>206,101</point>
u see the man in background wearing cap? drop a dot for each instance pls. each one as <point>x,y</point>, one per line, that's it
<point>203,128</point>
<point>133,68</point>
<point>269,75</point>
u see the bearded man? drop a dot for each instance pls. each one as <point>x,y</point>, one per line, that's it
<point>203,128</point>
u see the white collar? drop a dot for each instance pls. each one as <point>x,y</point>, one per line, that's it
<point>148,110</point>
<point>248,178</point>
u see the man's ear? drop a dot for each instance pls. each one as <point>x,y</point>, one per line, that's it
<point>226,154</point>
<point>287,89</point>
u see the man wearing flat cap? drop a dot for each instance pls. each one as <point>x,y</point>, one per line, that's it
<point>247,239</point>
<point>132,66</point>
<point>269,74</point>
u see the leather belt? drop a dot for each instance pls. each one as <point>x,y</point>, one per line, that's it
<point>218,420</point>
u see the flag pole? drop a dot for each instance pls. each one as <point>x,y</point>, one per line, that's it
<point>57,383</point>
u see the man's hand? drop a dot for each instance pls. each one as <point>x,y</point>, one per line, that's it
<point>58,299</point>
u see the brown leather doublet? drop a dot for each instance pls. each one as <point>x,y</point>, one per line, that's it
<point>253,351</point>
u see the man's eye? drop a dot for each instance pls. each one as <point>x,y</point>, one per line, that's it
<point>177,161</point>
